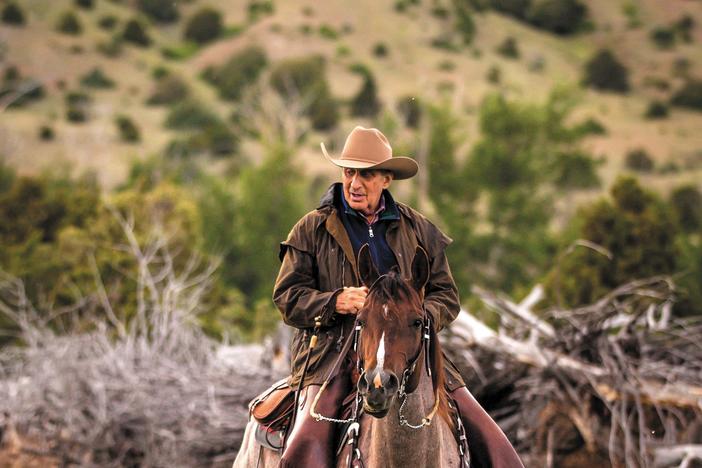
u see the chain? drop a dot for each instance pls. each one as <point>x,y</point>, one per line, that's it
<point>403,419</point>
<point>354,416</point>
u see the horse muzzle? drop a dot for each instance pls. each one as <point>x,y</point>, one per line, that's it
<point>378,389</point>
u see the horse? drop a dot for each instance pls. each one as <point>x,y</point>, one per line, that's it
<point>401,373</point>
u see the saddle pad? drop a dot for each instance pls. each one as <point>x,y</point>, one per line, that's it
<point>269,438</point>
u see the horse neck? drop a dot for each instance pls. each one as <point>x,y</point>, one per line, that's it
<point>385,443</point>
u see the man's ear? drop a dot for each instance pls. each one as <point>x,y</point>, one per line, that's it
<point>388,178</point>
<point>366,268</point>
<point>420,269</point>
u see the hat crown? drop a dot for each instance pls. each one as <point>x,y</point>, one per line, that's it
<point>366,144</point>
<point>367,148</point>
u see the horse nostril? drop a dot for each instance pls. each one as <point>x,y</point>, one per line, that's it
<point>392,383</point>
<point>363,384</point>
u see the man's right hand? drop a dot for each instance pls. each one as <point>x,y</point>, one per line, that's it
<point>351,300</point>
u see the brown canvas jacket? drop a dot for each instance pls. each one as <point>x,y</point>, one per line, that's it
<point>318,261</point>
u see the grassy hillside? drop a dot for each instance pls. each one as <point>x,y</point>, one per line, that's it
<point>346,34</point>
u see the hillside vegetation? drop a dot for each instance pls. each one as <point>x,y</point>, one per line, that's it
<point>536,122</point>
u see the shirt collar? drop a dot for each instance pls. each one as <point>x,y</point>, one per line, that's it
<point>387,209</point>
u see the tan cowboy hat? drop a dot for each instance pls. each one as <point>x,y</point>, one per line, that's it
<point>367,148</point>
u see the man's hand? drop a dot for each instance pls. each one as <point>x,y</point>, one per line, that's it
<point>351,300</point>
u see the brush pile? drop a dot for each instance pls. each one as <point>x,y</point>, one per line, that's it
<point>616,383</point>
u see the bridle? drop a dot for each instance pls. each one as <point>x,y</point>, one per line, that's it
<point>424,347</point>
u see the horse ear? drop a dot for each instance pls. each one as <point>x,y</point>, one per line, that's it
<point>366,268</point>
<point>420,269</point>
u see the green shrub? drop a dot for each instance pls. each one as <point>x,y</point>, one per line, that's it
<point>13,14</point>
<point>128,131</point>
<point>410,109</point>
<point>632,13</point>
<point>516,8</point>
<point>216,139</point>
<point>655,82</point>
<point>241,70</point>
<point>305,79</point>
<point>380,49</point>
<point>634,226</point>
<point>558,16</point>
<point>111,48</point>
<point>204,26</point>
<point>686,202</point>
<point>464,21</point>
<point>683,27</point>
<point>328,32</point>
<point>656,110</point>
<point>444,42</point>
<point>576,170</point>
<point>169,89</point>
<point>77,104</point>
<point>590,126</point>
<point>182,51</point>
<point>447,65</point>
<point>160,71</point>
<point>85,4</point>
<point>162,11</point>
<point>690,95</point>
<point>258,8</point>
<point>23,90</point>
<point>494,74</point>
<point>604,72</point>
<point>12,74</point>
<point>135,33</point>
<point>662,37</point>
<point>108,22</point>
<point>97,79</point>
<point>190,114</point>
<point>343,51</point>
<point>46,133</point>
<point>439,11</point>
<point>639,160</point>
<point>681,68</point>
<point>508,48</point>
<point>365,103</point>
<point>68,23</point>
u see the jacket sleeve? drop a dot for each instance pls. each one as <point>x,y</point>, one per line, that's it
<point>295,292</point>
<point>440,294</point>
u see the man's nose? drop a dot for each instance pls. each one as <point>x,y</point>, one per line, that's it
<point>356,180</point>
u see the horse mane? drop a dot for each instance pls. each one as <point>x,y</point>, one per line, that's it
<point>391,287</point>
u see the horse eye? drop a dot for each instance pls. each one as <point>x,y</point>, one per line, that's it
<point>417,324</point>
<point>361,323</point>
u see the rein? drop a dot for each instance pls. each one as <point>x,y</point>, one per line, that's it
<point>426,421</point>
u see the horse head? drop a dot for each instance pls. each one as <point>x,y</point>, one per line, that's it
<point>396,338</point>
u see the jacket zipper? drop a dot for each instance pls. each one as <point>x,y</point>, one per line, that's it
<point>370,231</point>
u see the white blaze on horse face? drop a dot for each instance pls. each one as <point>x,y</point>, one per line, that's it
<point>385,310</point>
<point>379,361</point>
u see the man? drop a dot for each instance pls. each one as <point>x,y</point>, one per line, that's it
<point>318,282</point>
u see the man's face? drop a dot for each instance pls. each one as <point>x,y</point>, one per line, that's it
<point>363,188</point>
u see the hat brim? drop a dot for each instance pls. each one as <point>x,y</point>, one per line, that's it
<point>402,167</point>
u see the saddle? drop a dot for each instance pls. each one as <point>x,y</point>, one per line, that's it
<point>272,410</point>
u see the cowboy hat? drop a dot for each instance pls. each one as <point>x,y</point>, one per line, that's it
<point>367,148</point>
